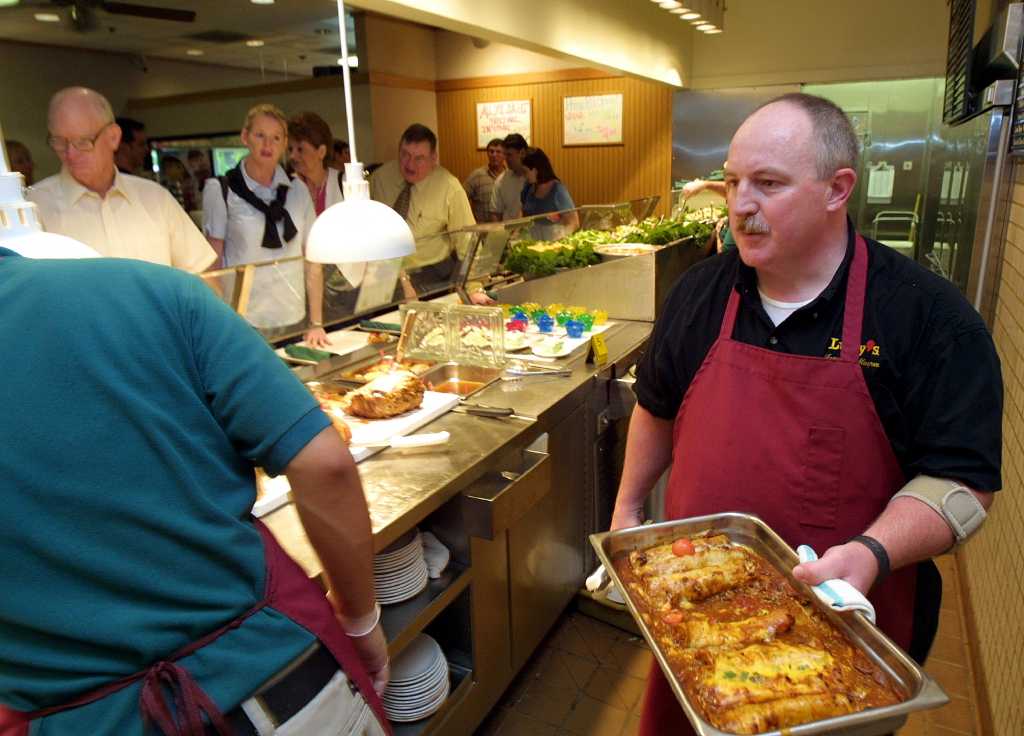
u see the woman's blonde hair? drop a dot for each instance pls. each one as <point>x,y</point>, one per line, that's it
<point>265,108</point>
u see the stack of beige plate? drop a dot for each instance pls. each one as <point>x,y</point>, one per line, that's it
<point>419,682</point>
<point>400,571</point>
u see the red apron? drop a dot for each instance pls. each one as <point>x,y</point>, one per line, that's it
<point>289,591</point>
<point>795,440</point>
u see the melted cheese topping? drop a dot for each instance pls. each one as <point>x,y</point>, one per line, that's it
<point>762,662</point>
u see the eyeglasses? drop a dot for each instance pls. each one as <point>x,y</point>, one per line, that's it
<point>84,145</point>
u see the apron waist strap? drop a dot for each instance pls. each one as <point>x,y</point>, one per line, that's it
<point>190,703</point>
<point>158,676</point>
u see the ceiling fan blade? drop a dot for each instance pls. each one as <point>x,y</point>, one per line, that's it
<point>147,11</point>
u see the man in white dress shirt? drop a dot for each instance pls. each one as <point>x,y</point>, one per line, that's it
<point>117,214</point>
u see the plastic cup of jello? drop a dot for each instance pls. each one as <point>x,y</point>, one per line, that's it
<point>600,316</point>
<point>587,321</point>
<point>554,309</point>
<point>545,323</point>
<point>562,317</point>
<point>574,329</point>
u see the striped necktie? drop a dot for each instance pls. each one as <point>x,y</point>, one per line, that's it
<point>401,205</point>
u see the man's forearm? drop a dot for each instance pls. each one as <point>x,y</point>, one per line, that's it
<point>911,531</point>
<point>329,498</point>
<point>648,453</point>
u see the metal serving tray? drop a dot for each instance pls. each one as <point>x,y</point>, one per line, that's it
<point>921,690</point>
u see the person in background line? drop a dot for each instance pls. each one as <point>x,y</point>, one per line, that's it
<point>141,596</point>
<point>506,199</point>
<point>91,201</point>
<point>132,155</point>
<point>543,192</point>
<point>724,239</point>
<point>198,164</point>
<point>845,394</point>
<point>432,201</point>
<point>308,139</point>
<point>255,213</point>
<point>174,177</point>
<point>19,158</point>
<point>341,154</point>
<point>480,183</point>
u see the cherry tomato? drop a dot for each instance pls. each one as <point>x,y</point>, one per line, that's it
<point>682,547</point>
<point>673,618</point>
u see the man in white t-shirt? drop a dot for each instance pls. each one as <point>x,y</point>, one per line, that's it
<point>256,214</point>
<point>117,214</point>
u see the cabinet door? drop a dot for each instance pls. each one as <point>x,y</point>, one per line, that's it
<point>546,546</point>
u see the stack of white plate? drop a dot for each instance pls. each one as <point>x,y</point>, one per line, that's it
<point>400,571</point>
<point>419,682</point>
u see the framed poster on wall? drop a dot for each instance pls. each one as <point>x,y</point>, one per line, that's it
<point>594,120</point>
<point>498,119</point>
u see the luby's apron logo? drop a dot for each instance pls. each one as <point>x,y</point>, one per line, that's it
<point>870,352</point>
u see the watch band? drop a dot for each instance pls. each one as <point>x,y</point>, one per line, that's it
<point>881,556</point>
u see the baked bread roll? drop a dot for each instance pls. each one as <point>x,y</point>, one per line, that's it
<point>386,396</point>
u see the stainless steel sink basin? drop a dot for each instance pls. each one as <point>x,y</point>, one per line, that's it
<point>463,380</point>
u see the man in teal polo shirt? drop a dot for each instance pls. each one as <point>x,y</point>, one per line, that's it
<point>135,408</point>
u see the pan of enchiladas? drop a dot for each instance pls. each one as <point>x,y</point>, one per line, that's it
<point>748,649</point>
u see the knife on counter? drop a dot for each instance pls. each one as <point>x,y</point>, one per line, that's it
<point>498,412</point>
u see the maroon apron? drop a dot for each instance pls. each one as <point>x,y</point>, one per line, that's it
<point>287,590</point>
<point>795,440</point>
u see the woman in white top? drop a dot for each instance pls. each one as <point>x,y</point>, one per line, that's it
<point>255,213</point>
<point>309,141</point>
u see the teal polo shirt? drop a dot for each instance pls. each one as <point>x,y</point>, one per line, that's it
<point>135,407</point>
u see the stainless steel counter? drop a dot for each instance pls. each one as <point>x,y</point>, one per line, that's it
<point>404,486</point>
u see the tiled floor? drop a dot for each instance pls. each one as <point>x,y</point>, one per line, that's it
<point>587,679</point>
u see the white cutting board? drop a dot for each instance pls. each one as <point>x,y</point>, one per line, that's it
<point>435,403</point>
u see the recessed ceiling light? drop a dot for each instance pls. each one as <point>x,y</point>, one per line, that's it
<point>713,31</point>
<point>194,52</point>
<point>262,2</point>
<point>8,3</point>
<point>254,43</point>
<point>690,16</point>
<point>669,4</point>
<point>706,27</point>
<point>47,17</point>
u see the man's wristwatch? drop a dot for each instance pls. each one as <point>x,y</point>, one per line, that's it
<point>881,556</point>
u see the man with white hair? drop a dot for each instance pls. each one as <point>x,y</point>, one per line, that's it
<point>117,214</point>
<point>840,391</point>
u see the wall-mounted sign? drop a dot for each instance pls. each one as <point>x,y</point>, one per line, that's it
<point>594,120</point>
<point>498,119</point>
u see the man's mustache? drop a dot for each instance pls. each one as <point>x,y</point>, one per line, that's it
<point>754,225</point>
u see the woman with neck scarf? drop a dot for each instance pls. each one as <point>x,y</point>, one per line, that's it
<point>254,214</point>
<point>309,143</point>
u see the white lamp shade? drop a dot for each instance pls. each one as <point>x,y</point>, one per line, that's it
<point>358,230</point>
<point>38,244</point>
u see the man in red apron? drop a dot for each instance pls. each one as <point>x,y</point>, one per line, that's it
<point>140,596</point>
<point>808,377</point>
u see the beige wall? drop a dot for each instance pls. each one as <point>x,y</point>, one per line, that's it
<point>993,562</point>
<point>797,41</point>
<point>393,110</point>
<point>459,58</point>
<point>635,37</point>
<point>30,74</point>
<point>396,47</point>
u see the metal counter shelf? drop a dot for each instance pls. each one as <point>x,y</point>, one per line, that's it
<point>921,690</point>
<point>403,487</point>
